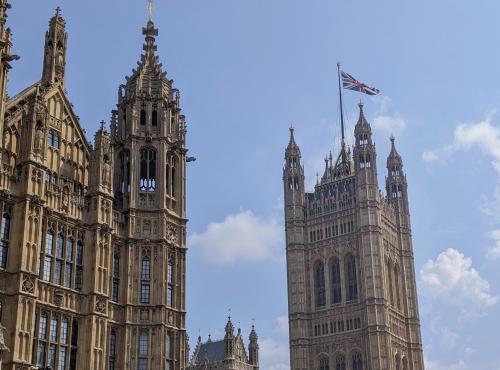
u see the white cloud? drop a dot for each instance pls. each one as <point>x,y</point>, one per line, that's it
<point>389,124</point>
<point>384,120</point>
<point>242,237</point>
<point>449,339</point>
<point>486,137</point>
<point>274,353</point>
<point>436,365</point>
<point>429,156</point>
<point>494,251</point>
<point>452,280</point>
<point>282,325</point>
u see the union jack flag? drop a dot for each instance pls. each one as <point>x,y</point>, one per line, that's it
<point>350,83</point>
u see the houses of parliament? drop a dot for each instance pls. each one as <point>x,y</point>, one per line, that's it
<point>93,237</point>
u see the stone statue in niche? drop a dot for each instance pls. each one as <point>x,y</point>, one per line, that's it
<point>106,172</point>
<point>39,139</point>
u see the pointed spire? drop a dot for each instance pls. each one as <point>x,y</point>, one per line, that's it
<point>55,50</point>
<point>362,123</point>
<point>292,148</point>
<point>229,327</point>
<point>393,155</point>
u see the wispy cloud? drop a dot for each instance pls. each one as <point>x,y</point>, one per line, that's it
<point>384,119</point>
<point>241,238</point>
<point>452,280</point>
<point>485,136</point>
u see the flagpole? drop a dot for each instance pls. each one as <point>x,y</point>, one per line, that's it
<point>341,105</point>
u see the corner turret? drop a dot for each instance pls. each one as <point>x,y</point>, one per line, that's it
<point>253,349</point>
<point>396,184</point>
<point>293,179</point>
<point>56,40</point>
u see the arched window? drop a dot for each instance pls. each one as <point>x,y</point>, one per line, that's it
<point>143,350</point>
<point>112,350</point>
<point>170,283</point>
<point>390,283</point>
<point>398,362</point>
<point>340,363</point>
<point>4,243</point>
<point>173,177</point>
<point>357,363</point>
<point>124,174</point>
<point>400,191</point>
<point>324,363</point>
<point>48,256</point>
<point>116,277</point>
<point>143,117</point>
<point>352,281</point>
<point>147,180</point>
<point>361,161</point>
<point>336,282</point>
<point>145,280</point>
<point>154,118</point>
<point>42,339</point>
<point>79,266</point>
<point>5,231</point>
<point>59,260</point>
<point>74,345</point>
<point>368,161</point>
<point>168,352</point>
<point>319,284</point>
<point>397,286</point>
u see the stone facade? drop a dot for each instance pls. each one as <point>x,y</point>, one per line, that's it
<point>228,353</point>
<point>352,295</point>
<point>92,236</point>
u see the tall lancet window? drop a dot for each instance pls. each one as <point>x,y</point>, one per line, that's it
<point>124,180</point>
<point>336,281</point>
<point>143,350</point>
<point>143,117</point>
<point>170,283</point>
<point>352,280</point>
<point>4,243</point>
<point>147,180</point>
<point>154,118</point>
<point>168,352</point>
<point>145,280</point>
<point>319,284</point>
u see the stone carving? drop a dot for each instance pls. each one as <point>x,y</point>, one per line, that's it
<point>28,283</point>
<point>58,298</point>
<point>39,140</point>
<point>100,304</point>
<point>106,173</point>
<point>172,234</point>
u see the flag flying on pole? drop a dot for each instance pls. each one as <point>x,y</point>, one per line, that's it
<point>350,83</point>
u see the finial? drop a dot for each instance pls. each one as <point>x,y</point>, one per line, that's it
<point>361,104</point>
<point>291,128</point>
<point>253,323</point>
<point>317,178</point>
<point>102,125</point>
<point>58,12</point>
<point>392,138</point>
<point>151,8</point>
<point>229,318</point>
<point>338,63</point>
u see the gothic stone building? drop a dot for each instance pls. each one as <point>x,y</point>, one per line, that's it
<point>92,236</point>
<point>228,353</point>
<point>351,282</point>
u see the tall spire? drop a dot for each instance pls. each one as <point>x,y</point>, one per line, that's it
<point>56,39</point>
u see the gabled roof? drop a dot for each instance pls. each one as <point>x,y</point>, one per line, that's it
<point>209,352</point>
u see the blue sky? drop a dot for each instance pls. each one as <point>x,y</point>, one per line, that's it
<point>246,71</point>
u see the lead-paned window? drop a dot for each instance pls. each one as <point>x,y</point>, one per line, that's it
<point>59,260</point>
<point>50,344</point>
<point>145,280</point>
